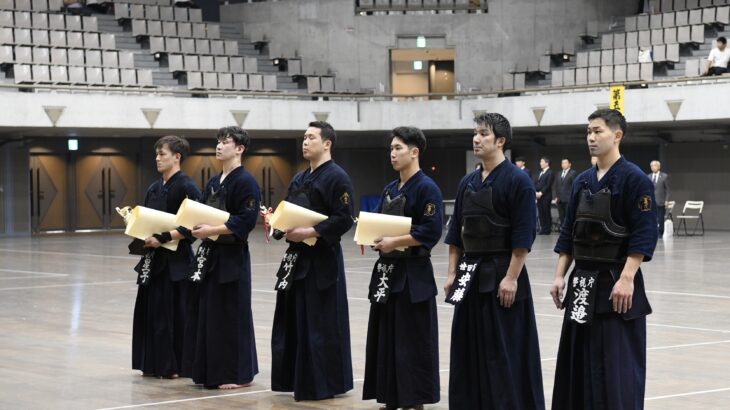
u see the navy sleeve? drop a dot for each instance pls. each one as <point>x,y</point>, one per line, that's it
<point>242,201</point>
<point>338,192</point>
<point>430,207</point>
<point>522,212</point>
<point>640,206</point>
<point>453,235</point>
<point>565,240</point>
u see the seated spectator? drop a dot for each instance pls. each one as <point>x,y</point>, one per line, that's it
<point>76,7</point>
<point>718,59</point>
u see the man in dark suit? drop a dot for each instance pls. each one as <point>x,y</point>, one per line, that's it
<point>520,163</point>
<point>661,192</point>
<point>564,185</point>
<point>544,193</point>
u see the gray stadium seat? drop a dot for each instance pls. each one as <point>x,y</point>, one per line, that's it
<point>236,64</point>
<point>180,14</point>
<point>111,76</point>
<point>152,12</point>
<point>6,55</point>
<point>225,81</point>
<point>94,76</point>
<point>37,20</point>
<point>139,27</point>
<point>136,11</point>
<point>594,75</point>
<point>692,4</point>
<point>647,71</point>
<point>126,59</point>
<point>6,36</point>
<point>569,77</point>
<point>128,77</point>
<point>202,46</point>
<point>619,73</point>
<point>630,23</point>
<point>240,81</point>
<point>644,38</point>
<point>57,38</point>
<point>619,56</point>
<point>255,82</point>
<point>59,56</point>
<point>672,53</point>
<point>632,39</point>
<point>632,72</point>
<point>607,40</point>
<point>90,23</point>
<point>619,40</point>
<point>217,47</point>
<point>41,55</point>
<point>607,57</point>
<point>55,5</point>
<point>154,28</point>
<point>655,21</point>
<point>175,62</point>
<point>22,19</point>
<point>221,64</point>
<point>694,67</point>
<point>199,30</point>
<point>76,75</point>
<point>187,45</point>
<point>195,80</point>
<point>270,83</point>
<point>41,73</point>
<point>212,31</point>
<point>23,5</point>
<point>543,65</point>
<point>326,84</point>
<point>210,80</point>
<point>157,44</point>
<point>698,34</point>
<point>22,36</point>
<point>695,16</point>
<point>195,15</point>
<point>556,79</point>
<point>581,76</point>
<point>21,73</point>
<point>76,57</point>
<point>184,30</point>
<point>666,5</point>
<point>684,34</point>
<point>723,15</point>
<point>121,11</point>
<point>659,53</point>
<point>40,37</point>
<point>295,67</point>
<point>594,58</point>
<point>681,18</point>
<point>39,5</point>
<point>670,35</point>
<point>6,18</point>
<point>91,40</point>
<point>144,78</point>
<point>92,58</point>
<point>56,22</point>
<point>110,59</point>
<point>230,47</point>
<point>250,65</point>
<point>75,39</point>
<point>166,13</point>
<point>642,22</point>
<point>708,15</point>
<point>73,23</point>
<point>705,3</point>
<point>23,54</point>
<point>169,28</point>
<point>313,83</point>
<point>59,74</point>
<point>206,63</point>
<point>632,55</point>
<point>607,74</point>
<point>668,20</point>
<point>519,81</point>
<point>657,37</point>
<point>172,44</point>
<point>190,62</point>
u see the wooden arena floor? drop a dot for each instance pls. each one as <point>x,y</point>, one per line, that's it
<point>66,321</point>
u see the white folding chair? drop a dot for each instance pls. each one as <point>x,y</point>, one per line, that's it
<point>692,206</point>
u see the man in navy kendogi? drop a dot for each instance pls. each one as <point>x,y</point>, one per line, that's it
<point>225,354</point>
<point>402,356</point>
<point>163,294</point>
<point>609,230</point>
<point>310,342</point>
<point>495,357</point>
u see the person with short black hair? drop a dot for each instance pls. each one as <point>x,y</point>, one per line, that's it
<point>310,341</point>
<point>163,294</point>
<point>544,194</point>
<point>401,355</point>
<point>718,59</point>
<point>610,228</point>
<point>495,354</point>
<point>225,354</point>
<point>520,163</point>
<point>564,185</point>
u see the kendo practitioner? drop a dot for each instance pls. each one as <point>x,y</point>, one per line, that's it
<point>163,294</point>
<point>609,230</point>
<point>402,356</point>
<point>310,342</point>
<point>225,354</point>
<point>495,357</point>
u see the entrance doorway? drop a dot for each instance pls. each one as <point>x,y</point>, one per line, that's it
<point>421,71</point>
<point>104,182</point>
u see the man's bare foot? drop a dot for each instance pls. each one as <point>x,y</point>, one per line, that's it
<point>233,386</point>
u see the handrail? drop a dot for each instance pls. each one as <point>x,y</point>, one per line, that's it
<point>366,96</point>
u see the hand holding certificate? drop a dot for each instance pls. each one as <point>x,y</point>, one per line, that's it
<point>372,226</point>
<point>192,214</point>
<point>144,222</point>
<point>289,216</point>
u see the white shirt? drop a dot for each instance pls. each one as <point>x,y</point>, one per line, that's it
<point>719,58</point>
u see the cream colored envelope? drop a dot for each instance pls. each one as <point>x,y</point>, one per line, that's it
<point>371,226</point>
<point>289,216</point>
<point>192,213</point>
<point>143,222</point>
